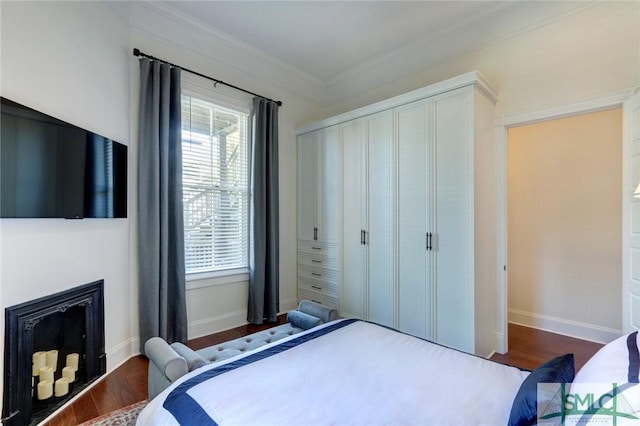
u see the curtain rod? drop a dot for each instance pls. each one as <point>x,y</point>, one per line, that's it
<point>137,52</point>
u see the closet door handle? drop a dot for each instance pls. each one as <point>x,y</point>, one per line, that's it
<point>429,241</point>
<point>362,237</point>
<point>364,234</point>
<point>315,233</point>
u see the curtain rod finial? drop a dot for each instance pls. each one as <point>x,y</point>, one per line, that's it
<point>136,51</point>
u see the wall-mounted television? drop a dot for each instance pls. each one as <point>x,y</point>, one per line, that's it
<point>53,169</point>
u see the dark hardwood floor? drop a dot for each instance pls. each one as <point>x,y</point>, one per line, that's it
<point>528,348</point>
<point>124,386</point>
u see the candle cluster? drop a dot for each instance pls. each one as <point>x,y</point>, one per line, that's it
<point>45,365</point>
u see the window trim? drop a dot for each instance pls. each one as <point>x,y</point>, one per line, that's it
<point>200,88</point>
<point>216,278</point>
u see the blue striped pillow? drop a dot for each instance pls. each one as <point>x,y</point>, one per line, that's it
<point>524,409</point>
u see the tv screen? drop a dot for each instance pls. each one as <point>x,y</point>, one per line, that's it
<point>53,169</point>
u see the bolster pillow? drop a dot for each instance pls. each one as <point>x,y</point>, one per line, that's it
<point>325,313</point>
<point>171,364</point>
<point>193,359</point>
<point>302,320</point>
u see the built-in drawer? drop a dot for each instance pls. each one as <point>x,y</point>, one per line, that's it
<point>331,302</point>
<point>318,248</point>
<point>316,274</point>
<point>327,290</point>
<point>318,260</point>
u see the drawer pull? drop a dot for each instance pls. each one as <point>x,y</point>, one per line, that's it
<point>316,248</point>
<point>316,261</point>
<point>316,274</point>
<point>313,300</point>
<point>316,287</point>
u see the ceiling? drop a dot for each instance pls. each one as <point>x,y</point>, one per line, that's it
<point>328,39</point>
<point>337,46</point>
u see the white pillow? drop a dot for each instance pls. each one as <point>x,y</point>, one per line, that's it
<point>611,363</point>
<point>614,366</point>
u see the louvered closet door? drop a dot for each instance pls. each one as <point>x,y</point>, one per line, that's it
<point>329,184</point>
<point>380,236</point>
<point>414,300</point>
<point>307,185</point>
<point>454,217</point>
<point>352,302</point>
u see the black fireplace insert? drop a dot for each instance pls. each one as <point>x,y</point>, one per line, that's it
<point>54,348</point>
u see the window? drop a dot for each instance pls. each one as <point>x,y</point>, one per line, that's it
<point>215,168</point>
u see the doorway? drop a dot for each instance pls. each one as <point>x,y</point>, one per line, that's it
<point>564,225</point>
<point>560,221</point>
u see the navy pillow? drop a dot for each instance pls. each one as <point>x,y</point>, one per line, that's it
<point>524,408</point>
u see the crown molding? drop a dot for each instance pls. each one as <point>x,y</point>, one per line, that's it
<point>473,78</point>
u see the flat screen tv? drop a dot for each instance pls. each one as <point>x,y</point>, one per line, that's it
<point>53,169</point>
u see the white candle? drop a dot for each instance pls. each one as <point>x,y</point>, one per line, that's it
<point>62,387</point>
<point>52,359</point>
<point>39,361</point>
<point>72,361</point>
<point>46,374</point>
<point>69,373</point>
<point>45,389</point>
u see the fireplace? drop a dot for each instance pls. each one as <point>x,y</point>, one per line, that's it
<point>54,348</point>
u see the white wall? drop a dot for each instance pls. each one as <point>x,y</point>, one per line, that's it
<point>565,225</point>
<point>69,60</point>
<point>583,55</point>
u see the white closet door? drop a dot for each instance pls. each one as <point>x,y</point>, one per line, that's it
<point>413,295</point>
<point>329,182</point>
<point>454,219</point>
<point>631,216</point>
<point>307,185</point>
<point>352,302</point>
<point>380,235</point>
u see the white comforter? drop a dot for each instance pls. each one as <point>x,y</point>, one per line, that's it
<point>344,372</point>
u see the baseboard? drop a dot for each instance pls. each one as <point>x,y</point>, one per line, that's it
<point>229,320</point>
<point>119,355</point>
<point>580,330</point>
<point>135,346</point>
<point>501,344</point>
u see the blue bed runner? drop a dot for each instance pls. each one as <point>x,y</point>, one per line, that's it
<point>187,411</point>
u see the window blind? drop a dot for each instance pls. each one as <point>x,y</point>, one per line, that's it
<point>215,186</point>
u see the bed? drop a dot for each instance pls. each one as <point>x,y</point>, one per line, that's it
<point>358,373</point>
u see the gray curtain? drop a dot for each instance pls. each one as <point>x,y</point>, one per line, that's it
<point>162,298</point>
<point>264,274</point>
